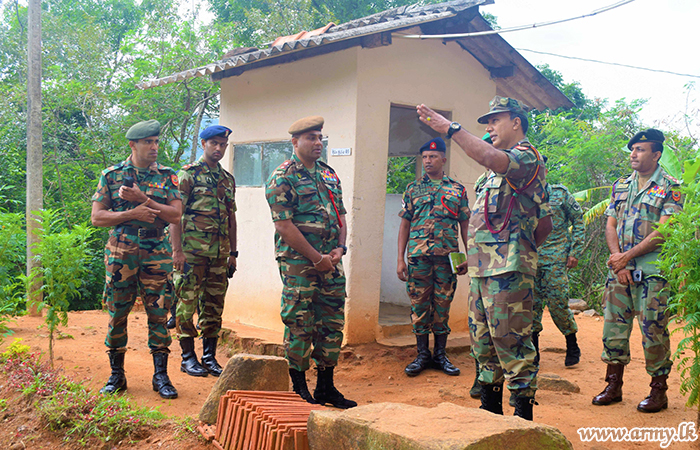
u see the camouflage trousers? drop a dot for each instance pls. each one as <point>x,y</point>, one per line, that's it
<point>207,283</point>
<point>313,312</point>
<point>648,302</point>
<point>138,267</point>
<point>431,287</point>
<point>552,291</point>
<point>500,325</point>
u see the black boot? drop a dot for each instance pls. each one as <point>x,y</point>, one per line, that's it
<point>492,398</point>
<point>423,359</point>
<point>161,382</point>
<point>536,343</point>
<point>299,385</point>
<point>573,353</point>
<point>440,360</point>
<point>189,364</point>
<point>523,407</point>
<point>170,324</point>
<point>475,391</point>
<point>326,392</point>
<point>117,381</point>
<point>209,356</point>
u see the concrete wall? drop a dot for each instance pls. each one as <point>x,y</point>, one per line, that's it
<point>353,89</point>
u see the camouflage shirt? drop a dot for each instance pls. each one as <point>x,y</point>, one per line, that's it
<point>512,249</point>
<point>434,211</point>
<point>566,237</point>
<point>158,182</point>
<point>313,202</point>
<point>208,202</point>
<point>639,210</point>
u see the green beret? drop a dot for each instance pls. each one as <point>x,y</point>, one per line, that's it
<point>306,124</point>
<point>650,135</point>
<point>502,104</point>
<point>143,130</point>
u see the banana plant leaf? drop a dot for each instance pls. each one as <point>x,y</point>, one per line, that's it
<point>595,211</point>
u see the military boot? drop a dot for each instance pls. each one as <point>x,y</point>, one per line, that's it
<point>523,407</point>
<point>209,356</point>
<point>170,324</point>
<point>657,400</point>
<point>613,391</point>
<point>475,391</point>
<point>190,365</point>
<point>161,382</point>
<point>117,380</point>
<point>440,360</point>
<point>573,353</point>
<point>326,392</point>
<point>492,398</point>
<point>423,359</point>
<point>299,385</point>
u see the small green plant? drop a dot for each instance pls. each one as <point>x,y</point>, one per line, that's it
<point>15,350</point>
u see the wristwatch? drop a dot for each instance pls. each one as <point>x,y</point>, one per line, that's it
<point>234,254</point>
<point>454,127</point>
<point>345,249</point>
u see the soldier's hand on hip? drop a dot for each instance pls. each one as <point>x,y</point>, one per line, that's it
<point>624,276</point>
<point>336,254</point>
<point>402,270</point>
<point>325,265</point>
<point>132,194</point>
<point>178,260</point>
<point>462,268</point>
<point>434,120</point>
<point>144,213</point>
<point>571,262</point>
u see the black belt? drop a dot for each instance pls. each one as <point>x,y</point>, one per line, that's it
<point>143,233</point>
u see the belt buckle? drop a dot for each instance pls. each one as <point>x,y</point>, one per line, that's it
<point>142,233</point>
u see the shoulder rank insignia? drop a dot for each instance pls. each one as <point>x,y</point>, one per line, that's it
<point>329,177</point>
<point>175,180</point>
<point>657,191</point>
<point>676,196</point>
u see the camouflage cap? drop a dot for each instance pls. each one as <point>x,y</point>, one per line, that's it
<point>143,130</point>
<point>502,104</point>
<point>650,135</point>
<point>306,124</point>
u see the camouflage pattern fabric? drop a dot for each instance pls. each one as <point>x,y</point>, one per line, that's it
<point>206,283</point>
<point>648,301</point>
<point>137,266</point>
<point>313,303</point>
<point>431,287</point>
<point>294,193</point>
<point>313,312</point>
<point>500,325</point>
<point>552,281</point>
<point>208,203</point>
<point>435,211</point>
<point>513,249</point>
<point>552,291</point>
<point>638,211</point>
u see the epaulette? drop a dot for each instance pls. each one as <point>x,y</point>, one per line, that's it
<point>162,168</point>
<point>284,166</point>
<point>188,166</point>
<point>113,168</point>
<point>322,164</point>
<point>673,180</point>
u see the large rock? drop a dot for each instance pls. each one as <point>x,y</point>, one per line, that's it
<point>249,373</point>
<point>576,304</point>
<point>390,426</point>
<point>553,382</point>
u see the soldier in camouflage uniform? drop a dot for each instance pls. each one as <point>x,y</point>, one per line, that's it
<point>432,210</point>
<point>206,241</point>
<point>138,198</point>
<point>306,202</point>
<point>635,287</point>
<point>561,251</point>
<point>510,219</point>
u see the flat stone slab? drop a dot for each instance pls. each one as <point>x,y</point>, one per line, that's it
<point>247,373</point>
<point>553,382</point>
<point>590,313</point>
<point>576,304</point>
<point>389,426</point>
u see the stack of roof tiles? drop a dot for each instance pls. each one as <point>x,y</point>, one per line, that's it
<point>261,420</point>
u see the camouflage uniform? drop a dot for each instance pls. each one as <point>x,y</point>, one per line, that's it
<point>637,212</point>
<point>137,266</point>
<point>313,303</point>
<point>552,281</point>
<point>502,267</point>
<point>208,202</point>
<point>434,211</point>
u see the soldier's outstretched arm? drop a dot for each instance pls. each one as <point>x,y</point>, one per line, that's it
<point>101,216</point>
<point>293,237</point>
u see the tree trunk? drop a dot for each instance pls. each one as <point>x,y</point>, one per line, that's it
<point>197,124</point>
<point>35,174</point>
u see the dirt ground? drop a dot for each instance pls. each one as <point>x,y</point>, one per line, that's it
<point>373,374</point>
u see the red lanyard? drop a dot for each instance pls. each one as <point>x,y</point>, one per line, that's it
<point>334,207</point>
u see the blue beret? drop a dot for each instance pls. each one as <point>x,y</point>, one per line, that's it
<point>436,145</point>
<point>215,130</point>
